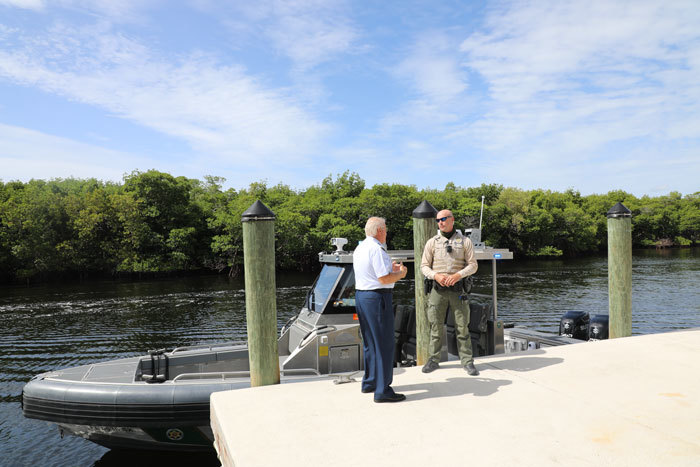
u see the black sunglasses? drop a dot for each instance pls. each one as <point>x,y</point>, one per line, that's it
<point>442,219</point>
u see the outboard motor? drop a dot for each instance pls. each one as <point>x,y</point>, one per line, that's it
<point>598,327</point>
<point>574,324</point>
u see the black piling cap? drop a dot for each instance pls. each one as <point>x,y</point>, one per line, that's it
<point>424,211</point>
<point>619,210</point>
<point>257,212</point>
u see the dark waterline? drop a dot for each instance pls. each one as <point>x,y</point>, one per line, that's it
<point>54,326</point>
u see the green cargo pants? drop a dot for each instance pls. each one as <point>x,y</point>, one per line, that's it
<point>437,309</point>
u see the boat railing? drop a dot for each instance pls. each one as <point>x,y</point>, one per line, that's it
<point>480,295</point>
<point>240,374</point>
<point>207,346</point>
<point>300,371</point>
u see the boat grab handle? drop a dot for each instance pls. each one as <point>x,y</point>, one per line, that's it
<point>241,373</point>
<point>323,329</point>
<point>216,374</point>
<point>287,324</point>
<point>206,346</point>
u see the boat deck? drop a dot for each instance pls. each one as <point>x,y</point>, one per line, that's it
<point>632,401</point>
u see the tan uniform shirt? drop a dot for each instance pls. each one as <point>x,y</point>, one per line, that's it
<point>436,259</point>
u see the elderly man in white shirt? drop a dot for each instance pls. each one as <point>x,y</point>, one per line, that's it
<point>375,275</point>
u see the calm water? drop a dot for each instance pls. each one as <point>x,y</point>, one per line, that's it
<point>54,326</point>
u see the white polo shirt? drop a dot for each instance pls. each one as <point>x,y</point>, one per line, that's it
<point>370,261</point>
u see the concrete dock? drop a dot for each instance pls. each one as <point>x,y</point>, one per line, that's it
<point>623,402</point>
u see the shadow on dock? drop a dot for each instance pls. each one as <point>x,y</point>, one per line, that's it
<point>522,364</point>
<point>452,387</point>
<point>480,386</point>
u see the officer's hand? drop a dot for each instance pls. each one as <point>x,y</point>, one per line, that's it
<point>441,279</point>
<point>452,279</point>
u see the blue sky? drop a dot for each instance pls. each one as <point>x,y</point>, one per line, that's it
<point>591,95</point>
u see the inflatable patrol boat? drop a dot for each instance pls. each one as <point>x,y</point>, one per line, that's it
<point>161,400</point>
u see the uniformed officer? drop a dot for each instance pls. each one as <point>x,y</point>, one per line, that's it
<point>448,258</point>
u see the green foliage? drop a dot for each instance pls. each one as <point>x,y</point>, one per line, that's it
<point>549,251</point>
<point>682,241</point>
<point>156,223</point>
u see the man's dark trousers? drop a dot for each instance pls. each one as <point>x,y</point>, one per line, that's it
<point>374,310</point>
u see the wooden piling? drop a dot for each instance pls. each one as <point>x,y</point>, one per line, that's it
<point>260,294</point>
<point>424,227</point>
<point>620,270</point>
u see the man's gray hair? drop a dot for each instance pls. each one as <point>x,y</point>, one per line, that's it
<point>373,225</point>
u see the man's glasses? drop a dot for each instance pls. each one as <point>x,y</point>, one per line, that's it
<point>442,219</point>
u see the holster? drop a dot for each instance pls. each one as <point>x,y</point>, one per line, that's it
<point>427,285</point>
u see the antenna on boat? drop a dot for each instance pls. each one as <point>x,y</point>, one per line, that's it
<point>481,217</point>
<point>475,234</point>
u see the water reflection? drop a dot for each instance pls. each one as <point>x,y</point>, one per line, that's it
<point>118,458</point>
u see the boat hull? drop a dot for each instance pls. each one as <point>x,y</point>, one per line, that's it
<point>173,417</point>
<point>117,405</point>
<point>165,438</point>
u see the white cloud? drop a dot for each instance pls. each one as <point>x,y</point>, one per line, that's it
<point>119,11</point>
<point>216,108</point>
<point>308,32</point>
<point>114,10</point>
<point>433,69</point>
<point>28,154</point>
<point>438,92</point>
<point>598,94</point>
<point>25,4</point>
<point>569,81</point>
<point>547,46</point>
<point>535,94</point>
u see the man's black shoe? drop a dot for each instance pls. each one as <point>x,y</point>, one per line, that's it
<point>471,369</point>
<point>394,398</point>
<point>430,367</point>
<point>366,390</point>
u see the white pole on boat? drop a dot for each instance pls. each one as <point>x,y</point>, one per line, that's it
<point>260,294</point>
<point>481,216</point>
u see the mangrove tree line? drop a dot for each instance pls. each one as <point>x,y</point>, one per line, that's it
<point>153,222</point>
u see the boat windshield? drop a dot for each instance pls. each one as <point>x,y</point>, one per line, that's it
<point>324,286</point>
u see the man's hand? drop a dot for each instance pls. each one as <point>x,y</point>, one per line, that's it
<point>400,268</point>
<point>453,279</point>
<point>447,280</point>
